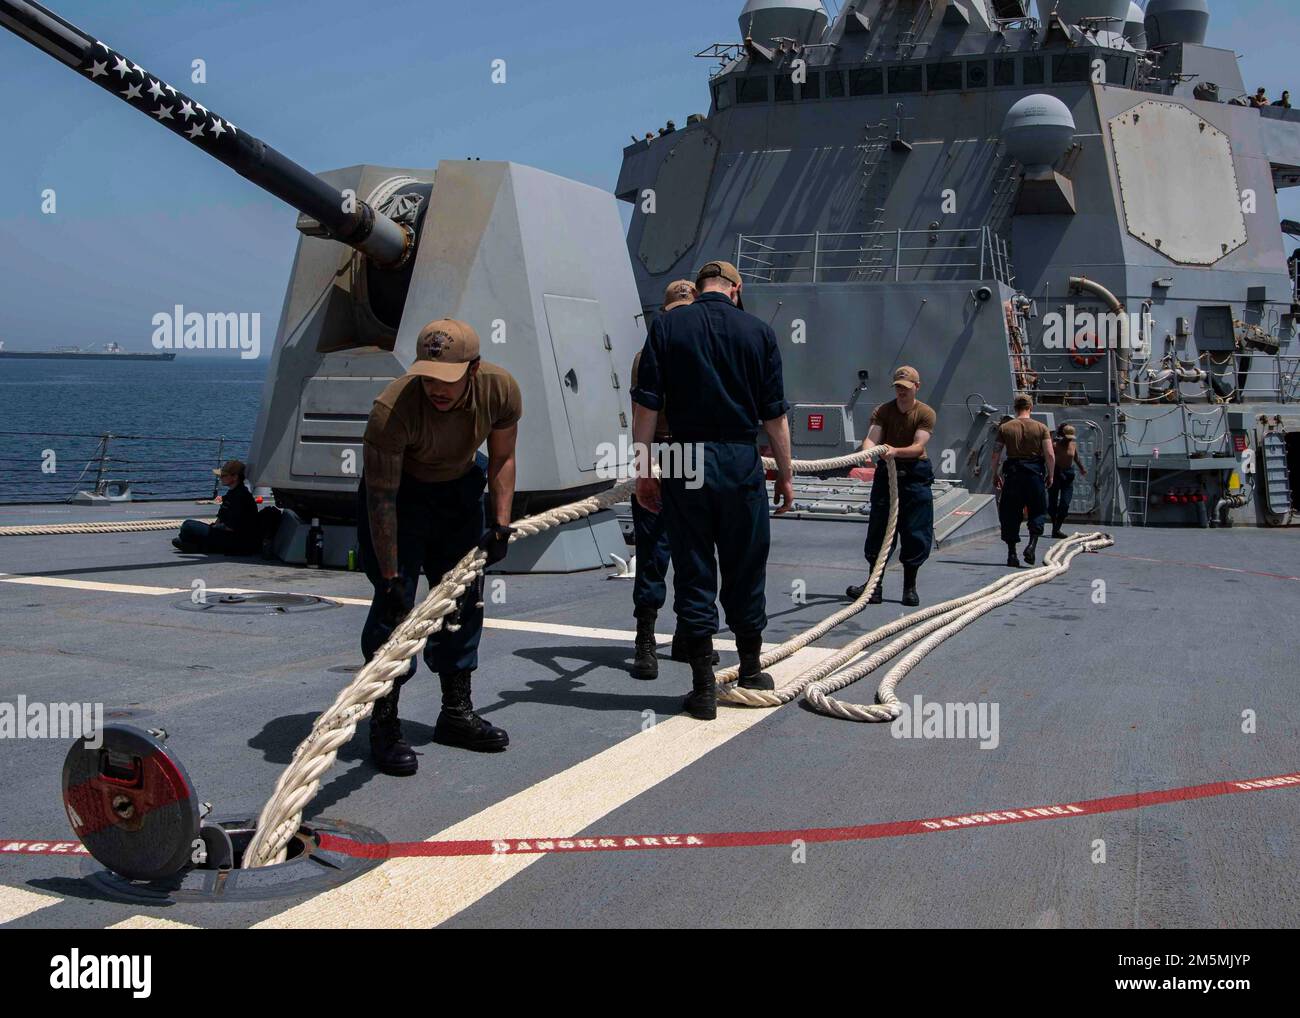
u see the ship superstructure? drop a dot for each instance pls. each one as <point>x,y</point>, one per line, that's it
<point>1080,204</point>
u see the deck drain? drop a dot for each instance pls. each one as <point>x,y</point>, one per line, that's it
<point>309,869</point>
<point>257,604</point>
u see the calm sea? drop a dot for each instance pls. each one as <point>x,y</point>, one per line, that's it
<point>171,416</point>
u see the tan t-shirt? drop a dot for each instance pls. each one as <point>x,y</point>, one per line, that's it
<point>439,445</point>
<point>662,430</point>
<point>1023,438</point>
<point>899,429</point>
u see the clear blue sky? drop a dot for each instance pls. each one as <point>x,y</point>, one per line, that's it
<point>145,221</point>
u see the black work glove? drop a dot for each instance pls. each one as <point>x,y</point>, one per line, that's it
<point>392,602</point>
<point>496,542</point>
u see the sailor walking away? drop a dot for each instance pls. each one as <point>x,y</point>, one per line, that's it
<point>719,369</point>
<point>1061,493</point>
<point>904,426</point>
<point>421,509</point>
<point>1031,460</point>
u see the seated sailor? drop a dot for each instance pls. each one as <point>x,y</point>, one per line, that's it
<point>235,531</point>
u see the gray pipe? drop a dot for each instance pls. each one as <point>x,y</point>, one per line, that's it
<point>1121,363</point>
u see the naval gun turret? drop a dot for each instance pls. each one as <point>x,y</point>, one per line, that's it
<point>535,262</point>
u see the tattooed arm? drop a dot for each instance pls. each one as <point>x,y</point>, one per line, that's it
<point>383,476</point>
<point>501,473</point>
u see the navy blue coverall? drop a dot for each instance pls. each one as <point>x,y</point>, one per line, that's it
<point>719,369</point>
<point>1024,485</point>
<point>915,530</point>
<point>1060,495</point>
<point>437,523</point>
<point>653,553</point>
<point>236,531</point>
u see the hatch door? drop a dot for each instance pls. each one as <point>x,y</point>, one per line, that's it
<point>587,375</point>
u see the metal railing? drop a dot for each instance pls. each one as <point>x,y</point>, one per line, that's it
<point>42,467</point>
<point>900,256</point>
<point>1058,378</point>
<point>1194,433</point>
<point>1266,376</point>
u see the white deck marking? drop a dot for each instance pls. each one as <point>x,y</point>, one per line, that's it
<point>424,892</point>
<point>518,625</point>
<point>106,588</point>
<point>16,903</point>
<point>149,922</point>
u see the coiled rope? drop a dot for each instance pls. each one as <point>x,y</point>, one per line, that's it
<point>939,623</point>
<point>298,784</point>
<point>729,692</point>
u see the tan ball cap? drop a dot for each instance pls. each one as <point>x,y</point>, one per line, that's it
<point>444,350</point>
<point>679,292</point>
<point>712,270</point>
<point>908,377</point>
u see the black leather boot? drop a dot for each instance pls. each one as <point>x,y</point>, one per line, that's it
<point>1013,560</point>
<point>1057,532</point>
<point>681,649</point>
<point>910,597</point>
<point>646,664</point>
<point>458,725</point>
<point>752,676</point>
<point>1031,550</point>
<point>388,749</point>
<point>702,703</point>
<point>858,589</point>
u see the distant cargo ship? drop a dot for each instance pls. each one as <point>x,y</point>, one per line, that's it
<point>111,351</point>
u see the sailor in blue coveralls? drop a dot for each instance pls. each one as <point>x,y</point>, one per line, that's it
<point>650,588</point>
<point>1031,460</point>
<point>719,369</point>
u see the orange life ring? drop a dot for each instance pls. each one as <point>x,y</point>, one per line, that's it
<point>1081,359</point>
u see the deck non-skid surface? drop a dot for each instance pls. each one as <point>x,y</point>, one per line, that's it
<point>1132,673</point>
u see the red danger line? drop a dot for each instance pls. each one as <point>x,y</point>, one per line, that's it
<point>44,847</point>
<point>745,839</point>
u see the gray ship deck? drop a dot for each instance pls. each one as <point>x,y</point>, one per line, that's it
<point>1145,692</point>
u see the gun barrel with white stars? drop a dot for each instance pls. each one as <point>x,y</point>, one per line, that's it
<point>344,218</point>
